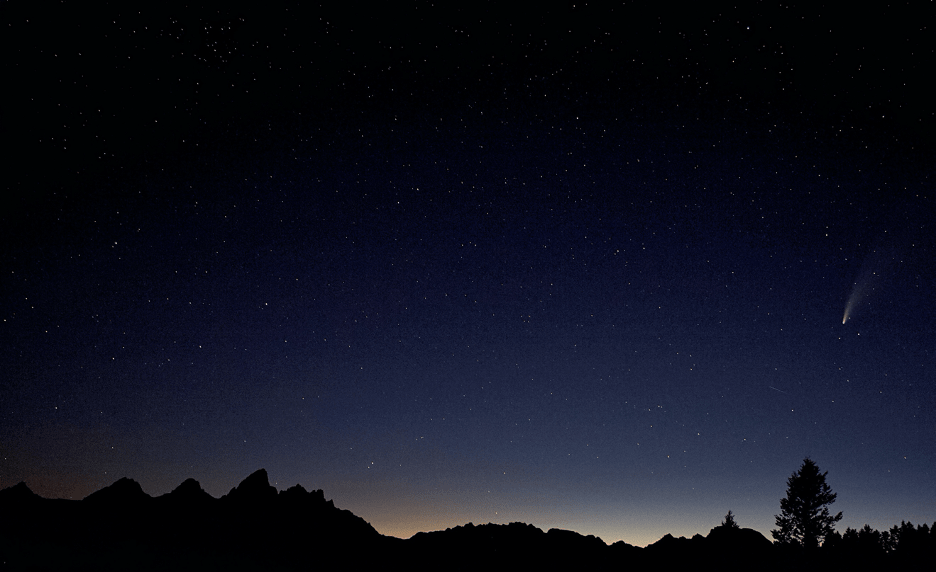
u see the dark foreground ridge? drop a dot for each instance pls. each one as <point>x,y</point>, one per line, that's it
<point>256,527</point>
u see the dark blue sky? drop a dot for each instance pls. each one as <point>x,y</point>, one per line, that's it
<point>585,268</point>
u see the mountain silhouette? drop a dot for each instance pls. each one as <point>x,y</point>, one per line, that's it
<point>16,495</point>
<point>189,493</point>
<point>254,527</point>
<point>123,495</point>
<point>255,490</point>
<point>121,527</point>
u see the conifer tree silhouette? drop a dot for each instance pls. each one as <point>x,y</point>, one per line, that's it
<point>804,516</point>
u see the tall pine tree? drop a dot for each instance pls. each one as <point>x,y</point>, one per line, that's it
<point>804,517</point>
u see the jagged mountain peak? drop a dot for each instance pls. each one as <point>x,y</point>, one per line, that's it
<point>256,488</point>
<point>190,491</point>
<point>124,490</point>
<point>18,493</point>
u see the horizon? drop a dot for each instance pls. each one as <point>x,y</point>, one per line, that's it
<point>614,269</point>
<point>280,488</point>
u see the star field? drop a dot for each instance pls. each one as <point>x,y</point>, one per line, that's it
<point>583,268</point>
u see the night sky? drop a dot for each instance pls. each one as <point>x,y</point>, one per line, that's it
<point>585,267</point>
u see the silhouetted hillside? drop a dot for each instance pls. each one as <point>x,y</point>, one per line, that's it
<point>121,527</point>
<point>256,527</point>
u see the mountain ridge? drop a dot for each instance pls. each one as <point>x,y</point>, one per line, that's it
<point>255,525</point>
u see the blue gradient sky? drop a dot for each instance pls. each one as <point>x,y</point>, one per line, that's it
<point>473,267</point>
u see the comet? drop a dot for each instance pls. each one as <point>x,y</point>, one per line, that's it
<point>894,250</point>
<point>867,283</point>
<point>859,290</point>
<point>879,261</point>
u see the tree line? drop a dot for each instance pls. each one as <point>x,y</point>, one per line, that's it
<point>805,523</point>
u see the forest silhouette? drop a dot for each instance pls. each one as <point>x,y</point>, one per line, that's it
<point>254,526</point>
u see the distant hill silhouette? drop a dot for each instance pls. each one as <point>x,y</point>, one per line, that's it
<point>256,527</point>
